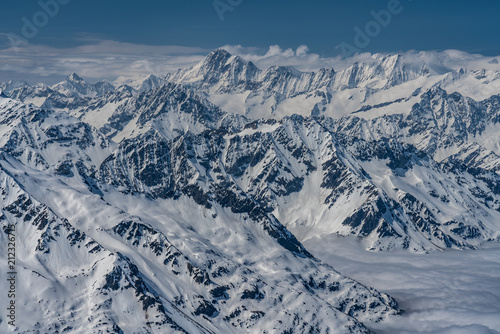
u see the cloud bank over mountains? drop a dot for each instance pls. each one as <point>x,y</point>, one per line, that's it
<point>110,60</point>
<point>96,61</point>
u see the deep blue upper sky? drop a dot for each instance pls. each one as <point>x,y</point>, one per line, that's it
<point>471,26</point>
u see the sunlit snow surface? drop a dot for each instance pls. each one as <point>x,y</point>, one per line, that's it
<point>451,292</point>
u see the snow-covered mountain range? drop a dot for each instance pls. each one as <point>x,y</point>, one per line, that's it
<point>180,203</point>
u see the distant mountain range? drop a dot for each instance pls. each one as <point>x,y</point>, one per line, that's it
<point>179,204</point>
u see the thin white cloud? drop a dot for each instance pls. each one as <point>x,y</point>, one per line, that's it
<point>96,61</point>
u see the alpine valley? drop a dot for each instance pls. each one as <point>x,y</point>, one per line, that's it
<point>180,204</point>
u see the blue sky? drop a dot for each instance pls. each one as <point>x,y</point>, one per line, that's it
<point>470,26</point>
<point>196,26</point>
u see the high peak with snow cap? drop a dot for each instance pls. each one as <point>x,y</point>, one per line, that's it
<point>74,77</point>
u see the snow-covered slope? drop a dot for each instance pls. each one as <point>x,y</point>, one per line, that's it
<point>370,172</point>
<point>106,261</point>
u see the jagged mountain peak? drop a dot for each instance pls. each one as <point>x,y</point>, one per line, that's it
<point>222,60</point>
<point>18,83</point>
<point>75,86</point>
<point>388,57</point>
<point>12,85</point>
<point>151,82</point>
<point>326,70</point>
<point>217,55</point>
<point>151,77</point>
<point>103,87</point>
<point>219,70</point>
<point>283,70</point>
<point>74,78</point>
<point>124,89</point>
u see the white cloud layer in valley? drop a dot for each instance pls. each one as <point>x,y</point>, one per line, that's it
<point>451,292</point>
